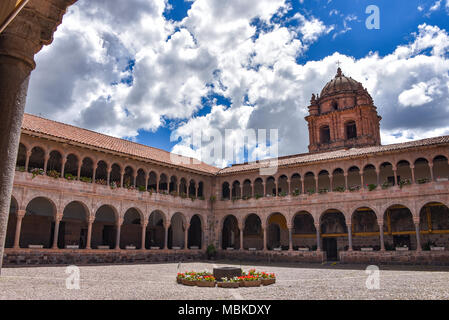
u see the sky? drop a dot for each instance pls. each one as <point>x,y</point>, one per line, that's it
<point>156,71</point>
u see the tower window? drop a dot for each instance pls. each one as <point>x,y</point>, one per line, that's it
<point>325,134</point>
<point>351,130</point>
<point>334,105</point>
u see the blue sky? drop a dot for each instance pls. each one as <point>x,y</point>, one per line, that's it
<point>144,70</point>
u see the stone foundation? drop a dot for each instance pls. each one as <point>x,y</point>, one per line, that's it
<point>273,256</point>
<point>396,257</point>
<point>24,257</point>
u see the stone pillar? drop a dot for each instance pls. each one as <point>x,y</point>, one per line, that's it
<point>117,240</point>
<point>64,160</point>
<point>290,237</point>
<point>19,42</point>
<point>331,183</point>
<point>302,186</point>
<point>186,236</point>
<point>252,190</point>
<point>346,182</point>
<point>135,180</point>
<point>108,178</point>
<point>378,177</point>
<point>276,190</point>
<point>167,225</point>
<point>94,172</point>
<point>412,169</point>
<point>122,176</point>
<point>418,236</point>
<point>316,184</point>
<point>349,237</point>
<point>241,228</point>
<point>289,191</point>
<point>89,233</point>
<point>264,189</point>
<point>396,182</point>
<point>47,156</point>
<point>318,237</point>
<point>20,215</point>
<point>144,233</point>
<point>58,219</point>
<point>432,178</point>
<point>80,164</point>
<point>362,181</point>
<point>241,191</point>
<point>381,233</point>
<point>265,237</point>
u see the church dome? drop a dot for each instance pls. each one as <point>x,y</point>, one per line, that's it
<point>339,84</point>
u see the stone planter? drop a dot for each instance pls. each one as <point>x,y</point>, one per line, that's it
<point>103,247</point>
<point>401,249</point>
<point>130,248</point>
<point>436,248</point>
<point>303,249</point>
<point>252,249</point>
<point>277,249</point>
<point>205,284</point>
<point>194,247</point>
<point>179,280</point>
<point>230,249</point>
<point>228,284</point>
<point>155,248</point>
<point>188,283</point>
<point>176,248</point>
<point>366,249</point>
<point>267,282</point>
<point>72,247</point>
<point>250,284</point>
<point>442,179</point>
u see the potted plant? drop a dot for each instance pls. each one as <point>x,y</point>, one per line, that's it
<point>211,252</point>
<point>37,172</point>
<point>267,278</point>
<point>385,185</point>
<point>296,192</point>
<point>53,174</point>
<point>371,186</point>
<point>229,283</point>
<point>179,277</point>
<point>404,182</point>
<point>323,191</point>
<point>250,281</point>
<point>340,189</point>
<point>189,279</point>
<point>205,281</point>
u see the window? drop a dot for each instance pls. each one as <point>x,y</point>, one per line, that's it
<point>351,130</point>
<point>334,105</point>
<point>325,134</point>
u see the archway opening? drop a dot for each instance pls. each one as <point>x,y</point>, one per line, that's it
<point>434,226</point>
<point>441,168</point>
<point>155,236</point>
<point>176,232</point>
<point>195,233</point>
<point>73,226</point>
<point>101,174</point>
<point>38,223</point>
<point>37,159</point>
<point>304,232</point>
<point>115,176</point>
<point>230,233</point>
<point>54,164</point>
<point>399,229</point>
<point>253,233</point>
<point>334,233</point>
<point>131,229</point>
<point>365,230</point>
<point>277,237</point>
<point>21,157</point>
<point>422,171</point>
<point>71,167</point>
<point>104,228</point>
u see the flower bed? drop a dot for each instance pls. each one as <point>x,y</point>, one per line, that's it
<point>252,278</point>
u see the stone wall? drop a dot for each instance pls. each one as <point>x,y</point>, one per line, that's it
<point>396,257</point>
<point>273,256</point>
<point>83,257</point>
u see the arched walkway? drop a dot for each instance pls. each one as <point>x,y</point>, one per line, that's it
<point>155,232</point>
<point>277,232</point>
<point>304,232</point>
<point>334,233</point>
<point>434,226</point>
<point>253,233</point>
<point>195,233</point>
<point>365,230</point>
<point>177,232</point>
<point>230,234</point>
<point>104,228</point>
<point>73,226</point>
<point>38,223</point>
<point>399,229</point>
<point>131,229</point>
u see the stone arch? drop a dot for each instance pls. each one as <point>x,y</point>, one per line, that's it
<point>54,163</point>
<point>247,190</point>
<point>259,188</point>
<point>230,233</point>
<point>422,170</point>
<point>195,232</point>
<point>399,228</point>
<point>404,172</point>
<point>304,231</point>
<point>270,186</point>
<point>163,183</point>
<point>338,180</point>
<point>87,169</point>
<point>104,227</point>
<point>71,166</point>
<point>282,189</point>
<point>173,186</point>
<point>176,231</point>
<point>295,184</point>
<point>74,225</point>
<point>370,175</point>
<point>309,182</point>
<point>38,223</point>
<point>252,232</point>
<point>236,194</point>
<point>131,228</point>
<point>225,191</point>
<point>128,177</point>
<point>324,181</point>
<point>350,129</point>
<point>434,225</point>
<point>354,178</point>
<point>37,158</point>
<point>440,168</point>
<point>192,188</point>
<point>101,174</point>
<point>152,181</point>
<point>155,232</point>
<point>334,233</point>
<point>277,232</point>
<point>365,229</point>
<point>386,174</point>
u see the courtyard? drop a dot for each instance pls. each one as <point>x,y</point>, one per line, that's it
<point>157,282</point>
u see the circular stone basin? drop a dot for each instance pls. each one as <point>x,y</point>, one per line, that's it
<point>227,272</point>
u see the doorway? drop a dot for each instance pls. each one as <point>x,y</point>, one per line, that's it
<point>330,247</point>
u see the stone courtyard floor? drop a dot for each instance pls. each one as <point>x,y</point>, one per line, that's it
<point>157,281</point>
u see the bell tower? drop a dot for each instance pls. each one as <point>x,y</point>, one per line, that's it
<point>342,116</point>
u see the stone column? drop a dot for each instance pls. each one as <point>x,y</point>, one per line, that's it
<point>58,219</point>
<point>346,182</point>
<point>186,236</point>
<point>265,237</point>
<point>252,190</point>
<point>167,225</point>
<point>89,233</point>
<point>241,228</point>
<point>412,169</point>
<point>316,184</point>
<point>318,237</point>
<point>94,172</point>
<point>19,42</point>
<point>289,187</point>
<point>378,177</point>
<point>396,182</point>
<point>290,237</point>
<point>381,233</point>
<point>47,156</point>
<point>122,176</point>
<point>362,181</point>
<point>108,178</point>
<point>302,186</point>
<point>117,240</point>
<point>432,178</point>
<point>264,189</point>
<point>20,215</point>
<point>349,237</point>
<point>276,192</point>
<point>418,236</point>
<point>144,233</point>
<point>80,164</point>
<point>64,161</point>
<point>331,183</point>
<point>135,180</point>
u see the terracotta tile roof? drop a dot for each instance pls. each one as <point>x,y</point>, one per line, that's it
<point>333,155</point>
<point>93,139</point>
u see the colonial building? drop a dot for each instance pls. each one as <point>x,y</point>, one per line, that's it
<point>82,197</point>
